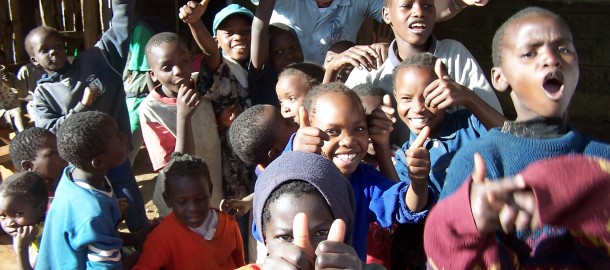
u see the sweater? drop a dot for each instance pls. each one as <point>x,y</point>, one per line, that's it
<point>81,228</point>
<point>173,245</point>
<point>571,191</point>
<point>101,67</point>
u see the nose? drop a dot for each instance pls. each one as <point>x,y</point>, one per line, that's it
<point>193,207</point>
<point>346,141</point>
<point>550,57</point>
<point>9,222</point>
<point>418,104</point>
<point>416,10</point>
<point>285,108</point>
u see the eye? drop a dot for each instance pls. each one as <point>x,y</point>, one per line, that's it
<point>322,233</point>
<point>428,5</point>
<point>406,99</point>
<point>166,68</point>
<point>285,238</point>
<point>332,132</point>
<point>18,214</point>
<point>564,50</point>
<point>292,98</point>
<point>360,129</point>
<point>278,52</point>
<point>529,54</point>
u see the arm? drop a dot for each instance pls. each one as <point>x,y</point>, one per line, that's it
<point>48,117</point>
<point>260,35</point>
<point>380,125</point>
<point>487,115</point>
<point>447,9</point>
<point>22,241</point>
<point>187,102</point>
<point>115,42</point>
<point>191,14</point>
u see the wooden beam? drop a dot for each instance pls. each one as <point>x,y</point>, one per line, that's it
<point>23,22</point>
<point>91,21</point>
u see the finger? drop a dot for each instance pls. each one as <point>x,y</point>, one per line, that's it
<point>421,138</point>
<point>507,218</point>
<point>438,69</point>
<point>303,117</point>
<point>478,175</point>
<point>523,221</point>
<point>300,233</point>
<point>337,231</point>
<point>431,87</point>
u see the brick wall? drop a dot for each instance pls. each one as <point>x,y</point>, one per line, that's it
<point>590,24</point>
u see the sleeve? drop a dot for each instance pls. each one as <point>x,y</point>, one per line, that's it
<point>451,238</point>
<point>238,253</point>
<point>374,9</point>
<point>48,117</point>
<point>101,241</point>
<point>401,163</point>
<point>115,42</point>
<point>357,77</point>
<point>160,142</point>
<point>141,34</point>
<point>155,254</point>
<point>387,200</point>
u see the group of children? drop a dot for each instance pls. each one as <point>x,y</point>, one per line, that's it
<point>321,166</point>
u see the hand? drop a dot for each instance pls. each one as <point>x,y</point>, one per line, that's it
<point>384,33</point>
<point>505,203</point>
<point>192,11</point>
<point>308,139</point>
<point>444,92</point>
<point>227,116</point>
<point>123,206</point>
<point>381,122</point>
<point>25,237</point>
<point>90,95</point>
<point>296,255</point>
<point>382,50</point>
<point>333,253</point>
<point>235,208</point>
<point>359,56</point>
<point>418,158</point>
<point>187,102</point>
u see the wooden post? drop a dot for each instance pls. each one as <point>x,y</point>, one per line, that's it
<point>23,22</point>
<point>91,21</point>
<point>6,30</point>
<point>50,14</point>
<point>105,14</point>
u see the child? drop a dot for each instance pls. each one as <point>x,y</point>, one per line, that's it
<point>193,234</point>
<point>23,205</point>
<point>536,196</point>
<point>371,97</point>
<point>223,79</point>
<point>10,107</point>
<point>168,59</point>
<point>311,185</point>
<point>81,226</point>
<point>412,28</point>
<point>35,150</point>
<point>535,59</point>
<point>92,83</point>
<point>293,84</point>
<point>339,131</point>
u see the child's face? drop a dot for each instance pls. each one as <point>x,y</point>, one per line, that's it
<point>189,198</point>
<point>233,35</point>
<point>412,20</point>
<point>343,119</point>
<point>170,64</point>
<point>116,142</point>
<point>19,211</point>
<point>49,51</point>
<point>291,91</point>
<point>284,49</point>
<point>409,89</point>
<point>282,212</point>
<point>540,65</point>
<point>47,161</point>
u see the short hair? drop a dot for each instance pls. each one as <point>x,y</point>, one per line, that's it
<point>26,184</point>
<point>250,139</point>
<point>387,3</point>
<point>278,28</point>
<point>419,60</point>
<point>164,38</point>
<point>182,165</point>
<point>296,188</point>
<point>498,39</point>
<point>81,137</point>
<point>368,90</point>
<point>312,73</point>
<point>35,31</point>
<point>341,46</point>
<point>26,143</point>
<point>334,87</point>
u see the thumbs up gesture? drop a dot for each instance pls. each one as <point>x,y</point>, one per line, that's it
<point>444,92</point>
<point>381,122</point>
<point>418,157</point>
<point>308,138</point>
<point>192,11</point>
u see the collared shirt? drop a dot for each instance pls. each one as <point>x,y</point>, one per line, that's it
<point>319,29</point>
<point>459,128</point>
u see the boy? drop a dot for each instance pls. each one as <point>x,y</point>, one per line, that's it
<point>81,226</point>
<point>169,63</point>
<point>92,83</point>
<point>412,28</point>
<point>535,59</point>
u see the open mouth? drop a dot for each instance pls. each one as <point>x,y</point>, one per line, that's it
<point>417,27</point>
<point>346,157</point>
<point>240,47</point>
<point>419,122</point>
<point>553,85</point>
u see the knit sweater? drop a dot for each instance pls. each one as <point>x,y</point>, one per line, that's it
<point>571,191</point>
<point>172,245</point>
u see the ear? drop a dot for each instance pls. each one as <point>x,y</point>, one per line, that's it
<point>385,14</point>
<point>152,75</point>
<point>498,80</point>
<point>42,208</point>
<point>28,166</point>
<point>97,163</point>
<point>274,153</point>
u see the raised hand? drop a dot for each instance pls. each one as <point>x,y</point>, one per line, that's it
<point>359,56</point>
<point>381,122</point>
<point>444,92</point>
<point>25,237</point>
<point>296,255</point>
<point>192,11</point>
<point>418,157</point>
<point>235,208</point>
<point>90,95</point>
<point>333,253</point>
<point>308,138</point>
<point>186,102</point>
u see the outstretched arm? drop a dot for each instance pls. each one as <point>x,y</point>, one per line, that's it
<point>191,14</point>
<point>115,42</point>
<point>260,35</point>
<point>447,9</point>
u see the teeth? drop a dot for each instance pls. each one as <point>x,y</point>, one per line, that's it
<point>346,157</point>
<point>419,121</point>
<point>418,25</point>
<point>239,47</point>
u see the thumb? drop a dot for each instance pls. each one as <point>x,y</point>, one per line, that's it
<point>300,233</point>
<point>387,100</point>
<point>421,138</point>
<point>303,117</point>
<point>440,72</point>
<point>337,231</point>
<point>478,175</point>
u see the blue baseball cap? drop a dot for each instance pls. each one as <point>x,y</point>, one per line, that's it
<point>228,11</point>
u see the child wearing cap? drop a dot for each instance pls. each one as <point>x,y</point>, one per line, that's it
<point>223,79</point>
